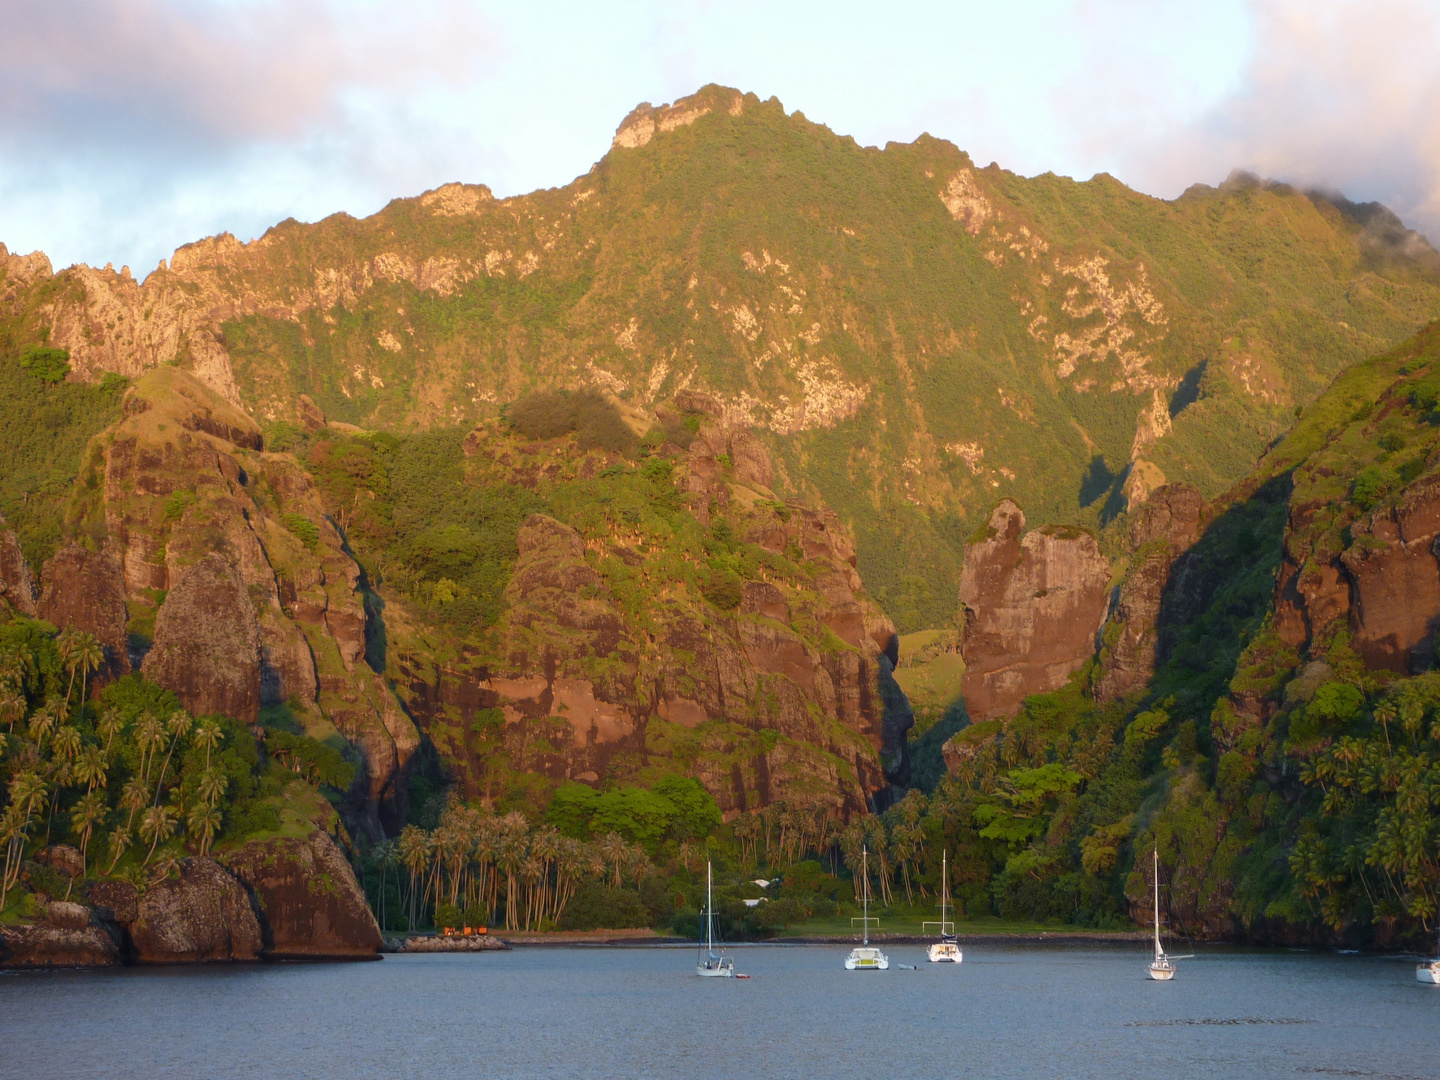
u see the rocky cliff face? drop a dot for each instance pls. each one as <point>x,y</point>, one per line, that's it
<point>310,903</point>
<point>1033,603</point>
<point>207,642</point>
<point>679,264</point>
<point>17,584</point>
<point>234,587</point>
<point>1160,532</point>
<point>275,899</point>
<point>1384,586</point>
<point>85,590</point>
<point>608,656</point>
<point>203,915</point>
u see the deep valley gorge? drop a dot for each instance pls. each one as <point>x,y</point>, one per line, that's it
<point>757,498</point>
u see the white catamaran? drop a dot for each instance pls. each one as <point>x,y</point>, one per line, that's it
<point>1162,968</point>
<point>1428,971</point>
<point>947,948</point>
<point>865,957</point>
<point>711,964</point>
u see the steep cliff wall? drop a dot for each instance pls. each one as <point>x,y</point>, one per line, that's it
<point>720,633</point>
<point>226,580</point>
<point>1033,603</point>
<point>1161,531</point>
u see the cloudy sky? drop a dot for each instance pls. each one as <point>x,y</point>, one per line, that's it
<point>128,127</point>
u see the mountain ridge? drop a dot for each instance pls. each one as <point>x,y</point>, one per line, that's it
<point>914,337</point>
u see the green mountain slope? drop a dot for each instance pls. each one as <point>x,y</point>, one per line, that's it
<point>913,336</point>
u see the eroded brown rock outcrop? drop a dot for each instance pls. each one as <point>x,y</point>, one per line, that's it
<point>1385,584</point>
<point>67,935</point>
<point>86,590</point>
<point>1160,531</point>
<point>203,915</point>
<point>17,586</point>
<point>311,905</point>
<point>584,682</point>
<point>1033,603</point>
<point>263,603</point>
<point>207,642</point>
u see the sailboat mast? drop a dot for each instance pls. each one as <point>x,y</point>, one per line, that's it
<point>944,887</point>
<point>1156,854</point>
<point>865,892</point>
<point>709,909</point>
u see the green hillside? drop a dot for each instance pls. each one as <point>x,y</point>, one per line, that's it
<point>915,337</point>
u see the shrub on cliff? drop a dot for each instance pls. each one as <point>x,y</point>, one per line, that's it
<point>594,421</point>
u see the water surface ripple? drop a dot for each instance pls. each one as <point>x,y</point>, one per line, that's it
<point>1033,1012</point>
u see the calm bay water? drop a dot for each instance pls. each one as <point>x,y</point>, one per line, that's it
<point>1008,1011</point>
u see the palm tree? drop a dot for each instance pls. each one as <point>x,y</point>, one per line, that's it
<point>45,720</point>
<point>89,812</point>
<point>415,854</point>
<point>211,787</point>
<point>90,768</point>
<point>109,726</point>
<point>67,644</point>
<point>134,795</point>
<point>158,824</point>
<point>612,850</point>
<point>120,844</point>
<point>12,709</point>
<point>88,654</point>
<point>179,726</point>
<point>204,820</point>
<point>207,734</point>
<point>149,734</point>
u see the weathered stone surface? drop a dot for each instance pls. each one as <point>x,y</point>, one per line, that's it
<point>64,858</point>
<point>17,586</point>
<point>1033,604</point>
<point>724,674</point>
<point>44,945</point>
<point>203,915</point>
<point>86,590</point>
<point>180,473</point>
<point>207,642</point>
<point>64,915</point>
<point>1160,531</point>
<point>311,905</point>
<point>116,900</point>
<point>1385,585</point>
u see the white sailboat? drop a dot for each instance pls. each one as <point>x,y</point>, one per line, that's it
<point>1428,971</point>
<point>711,964</point>
<point>947,949</point>
<point>865,957</point>
<point>1162,968</point>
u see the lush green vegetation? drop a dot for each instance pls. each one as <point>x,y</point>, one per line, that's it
<point>127,777</point>
<point>45,425</point>
<point>757,255</point>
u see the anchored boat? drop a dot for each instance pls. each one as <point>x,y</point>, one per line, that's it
<point>865,957</point>
<point>711,965</point>
<point>1428,971</point>
<point>1162,968</point>
<point>947,949</point>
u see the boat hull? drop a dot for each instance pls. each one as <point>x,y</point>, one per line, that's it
<point>945,952</point>
<point>867,960</point>
<point>719,968</point>
<point>1428,973</point>
<point>1161,974</point>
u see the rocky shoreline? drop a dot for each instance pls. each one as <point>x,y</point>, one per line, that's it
<point>276,899</point>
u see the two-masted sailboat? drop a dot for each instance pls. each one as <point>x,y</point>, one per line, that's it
<point>865,957</point>
<point>711,964</point>
<point>1428,971</point>
<point>1162,968</point>
<point>947,948</point>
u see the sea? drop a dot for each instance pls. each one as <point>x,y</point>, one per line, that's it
<point>1009,1010</point>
